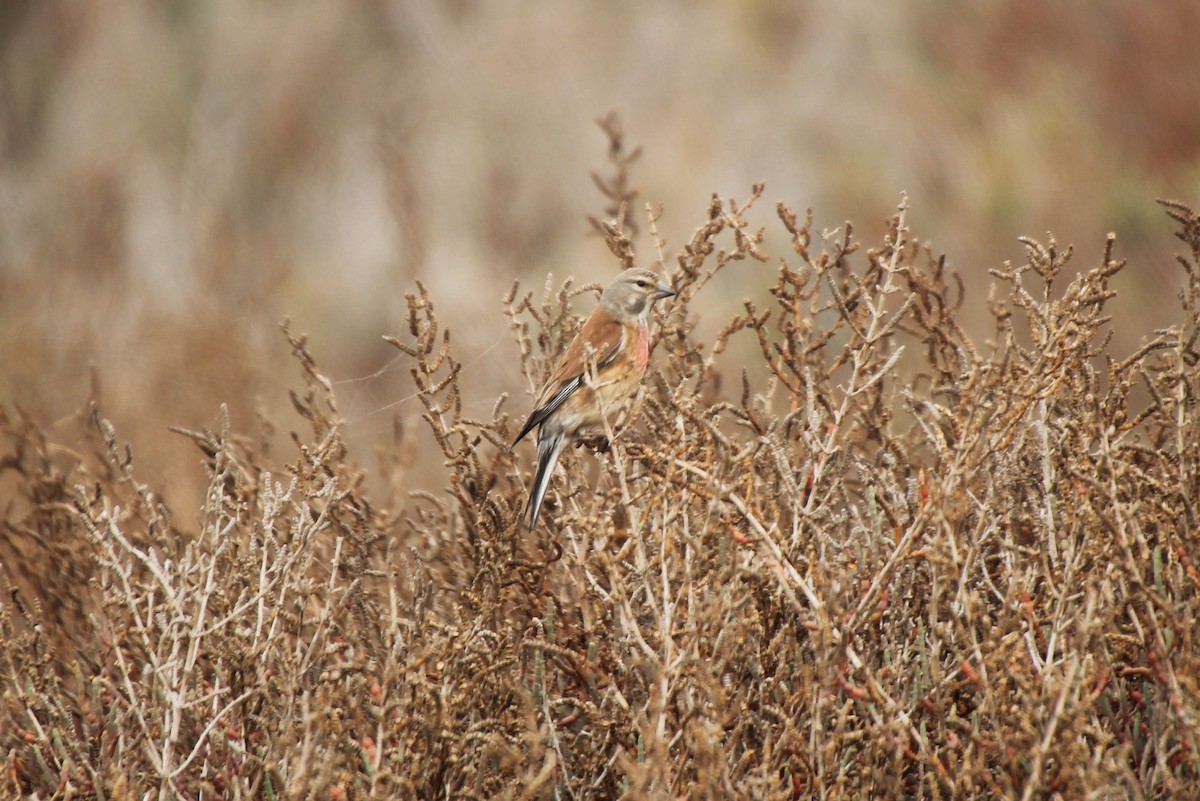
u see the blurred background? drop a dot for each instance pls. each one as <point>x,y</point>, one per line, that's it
<point>178,177</point>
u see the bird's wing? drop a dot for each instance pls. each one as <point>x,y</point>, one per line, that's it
<point>540,414</point>
<point>605,337</point>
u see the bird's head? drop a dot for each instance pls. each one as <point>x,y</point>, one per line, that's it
<point>633,292</point>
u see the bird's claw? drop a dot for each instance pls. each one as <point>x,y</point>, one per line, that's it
<point>596,443</point>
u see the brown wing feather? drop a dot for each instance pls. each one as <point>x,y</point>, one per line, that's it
<point>603,333</point>
<point>605,336</point>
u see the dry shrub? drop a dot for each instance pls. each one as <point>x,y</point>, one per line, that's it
<point>841,549</point>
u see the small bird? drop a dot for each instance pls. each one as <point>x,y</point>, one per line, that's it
<point>596,377</point>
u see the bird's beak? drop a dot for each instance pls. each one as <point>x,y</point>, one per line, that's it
<point>663,292</point>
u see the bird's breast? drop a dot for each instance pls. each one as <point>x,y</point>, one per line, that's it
<point>642,351</point>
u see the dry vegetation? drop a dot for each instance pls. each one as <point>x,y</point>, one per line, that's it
<point>841,551</point>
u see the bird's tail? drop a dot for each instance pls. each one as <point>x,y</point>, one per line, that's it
<point>548,450</point>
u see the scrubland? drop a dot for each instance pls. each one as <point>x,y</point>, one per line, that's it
<point>842,550</point>
<point>907,508</point>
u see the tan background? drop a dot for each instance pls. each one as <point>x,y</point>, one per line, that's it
<point>176,178</point>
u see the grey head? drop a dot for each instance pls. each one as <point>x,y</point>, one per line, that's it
<point>632,293</point>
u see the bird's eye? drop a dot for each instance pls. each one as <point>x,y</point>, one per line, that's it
<point>641,283</point>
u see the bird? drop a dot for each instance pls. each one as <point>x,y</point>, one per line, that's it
<point>596,376</point>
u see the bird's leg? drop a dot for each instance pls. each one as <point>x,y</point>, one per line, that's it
<point>596,443</point>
